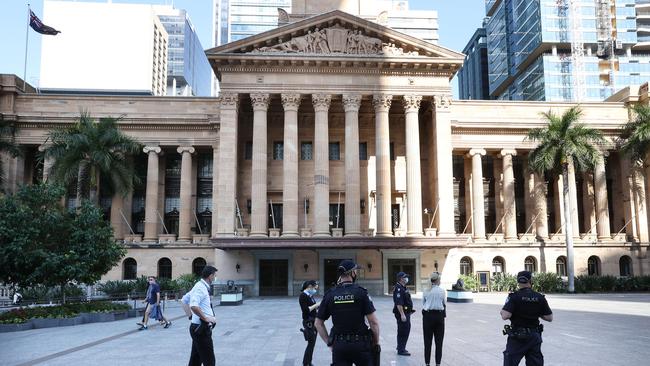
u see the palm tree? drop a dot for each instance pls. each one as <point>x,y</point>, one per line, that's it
<point>87,149</point>
<point>564,141</point>
<point>635,135</point>
<point>7,144</point>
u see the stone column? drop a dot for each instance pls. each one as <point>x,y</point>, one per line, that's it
<point>185,216</point>
<point>478,208</point>
<point>573,198</point>
<point>602,206</point>
<point>259,202</point>
<point>541,223</point>
<point>382,103</point>
<point>413,171</point>
<point>227,178</point>
<point>558,201</point>
<point>117,222</point>
<point>588,203</point>
<point>529,197</point>
<point>151,218</point>
<point>640,204</point>
<point>443,165</point>
<point>215,188</point>
<point>47,162</point>
<point>509,206</point>
<point>351,103</point>
<point>290,103</point>
<point>321,206</point>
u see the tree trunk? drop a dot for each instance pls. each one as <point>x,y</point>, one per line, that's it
<point>83,182</point>
<point>568,227</point>
<point>63,293</point>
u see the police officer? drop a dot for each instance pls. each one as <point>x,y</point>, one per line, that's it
<point>308,307</point>
<point>402,309</point>
<point>524,308</point>
<point>350,340</point>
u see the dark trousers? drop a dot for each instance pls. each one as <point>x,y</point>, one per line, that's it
<point>348,353</point>
<point>403,331</point>
<point>531,348</point>
<point>310,337</point>
<point>202,347</point>
<point>433,327</point>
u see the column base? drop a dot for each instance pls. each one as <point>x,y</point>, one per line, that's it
<point>415,234</point>
<point>183,241</point>
<point>447,234</point>
<point>322,234</point>
<point>353,234</point>
<point>290,234</point>
<point>224,235</point>
<point>384,234</point>
<point>258,235</point>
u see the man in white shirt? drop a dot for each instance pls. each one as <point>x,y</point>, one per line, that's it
<point>434,311</point>
<point>202,319</point>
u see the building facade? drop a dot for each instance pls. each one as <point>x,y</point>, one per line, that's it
<point>237,19</point>
<point>329,139</point>
<point>530,53</point>
<point>188,69</point>
<point>132,56</point>
<point>473,80</point>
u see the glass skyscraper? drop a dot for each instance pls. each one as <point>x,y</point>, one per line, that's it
<point>237,19</point>
<point>529,45</point>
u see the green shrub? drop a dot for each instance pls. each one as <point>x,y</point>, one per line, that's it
<point>167,285</point>
<point>21,315</point>
<point>116,288</point>
<point>471,283</point>
<point>186,282</point>
<point>547,282</point>
<point>43,293</point>
<point>503,282</point>
<point>140,285</point>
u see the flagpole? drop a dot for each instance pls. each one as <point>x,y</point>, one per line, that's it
<point>26,45</point>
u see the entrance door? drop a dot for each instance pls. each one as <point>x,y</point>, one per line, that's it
<point>401,265</point>
<point>330,275</point>
<point>274,277</point>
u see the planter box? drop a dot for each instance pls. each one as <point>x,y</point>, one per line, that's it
<point>337,232</point>
<point>430,232</point>
<point>242,232</point>
<point>200,238</point>
<point>166,238</point>
<point>132,313</point>
<point>120,315</point>
<point>274,233</point>
<point>227,299</point>
<point>101,317</point>
<point>6,328</point>
<point>40,323</point>
<point>65,322</point>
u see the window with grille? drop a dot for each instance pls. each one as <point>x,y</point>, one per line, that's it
<point>363,151</point>
<point>530,264</point>
<point>560,266</point>
<point>165,268</point>
<point>197,265</point>
<point>306,150</point>
<point>466,266</point>
<point>334,151</point>
<point>498,265</point>
<point>129,269</point>
<point>278,150</point>
<point>625,266</point>
<point>392,151</point>
<point>593,266</point>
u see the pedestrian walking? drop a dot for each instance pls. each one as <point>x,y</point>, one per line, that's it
<point>434,312</point>
<point>203,320</point>
<point>524,308</point>
<point>350,339</point>
<point>17,298</point>
<point>152,310</point>
<point>308,306</point>
<point>402,309</point>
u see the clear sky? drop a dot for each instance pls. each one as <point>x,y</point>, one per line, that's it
<point>458,19</point>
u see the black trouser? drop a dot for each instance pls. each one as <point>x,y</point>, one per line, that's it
<point>433,327</point>
<point>403,331</point>
<point>310,336</point>
<point>347,353</point>
<point>530,347</point>
<point>202,347</point>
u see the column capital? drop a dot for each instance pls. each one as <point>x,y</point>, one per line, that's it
<point>321,101</point>
<point>511,152</point>
<point>260,101</point>
<point>290,101</point>
<point>473,152</point>
<point>382,102</point>
<point>155,149</point>
<point>441,101</point>
<point>351,102</point>
<point>228,99</point>
<point>44,146</point>
<point>412,102</point>
<point>185,149</point>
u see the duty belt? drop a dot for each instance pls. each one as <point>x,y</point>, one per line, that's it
<point>352,338</point>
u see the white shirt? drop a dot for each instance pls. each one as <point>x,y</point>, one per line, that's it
<point>199,296</point>
<point>434,299</point>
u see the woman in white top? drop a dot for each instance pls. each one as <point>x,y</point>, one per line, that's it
<point>434,305</point>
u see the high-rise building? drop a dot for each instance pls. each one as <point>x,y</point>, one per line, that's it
<point>188,70</point>
<point>104,48</point>
<point>563,50</point>
<point>472,77</point>
<point>237,19</point>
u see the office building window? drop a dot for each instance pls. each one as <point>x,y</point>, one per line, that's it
<point>335,151</point>
<point>306,150</point>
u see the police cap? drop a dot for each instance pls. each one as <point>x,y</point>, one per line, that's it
<point>308,283</point>
<point>524,277</point>
<point>401,275</point>
<point>347,265</point>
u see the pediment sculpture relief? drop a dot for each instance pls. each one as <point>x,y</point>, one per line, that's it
<point>336,40</point>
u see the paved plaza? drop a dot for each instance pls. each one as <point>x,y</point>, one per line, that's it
<point>612,329</point>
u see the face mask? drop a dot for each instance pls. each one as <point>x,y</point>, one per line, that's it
<point>406,280</point>
<point>311,292</point>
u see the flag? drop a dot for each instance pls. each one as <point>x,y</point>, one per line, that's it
<point>38,26</point>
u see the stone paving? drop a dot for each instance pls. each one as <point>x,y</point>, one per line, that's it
<point>588,330</point>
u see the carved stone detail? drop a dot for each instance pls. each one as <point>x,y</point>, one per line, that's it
<point>148,149</point>
<point>441,101</point>
<point>351,102</point>
<point>290,101</point>
<point>182,149</point>
<point>336,39</point>
<point>412,102</point>
<point>260,101</point>
<point>228,99</point>
<point>382,101</point>
<point>321,101</point>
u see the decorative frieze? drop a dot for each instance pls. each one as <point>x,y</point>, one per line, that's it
<point>260,101</point>
<point>321,101</point>
<point>442,101</point>
<point>290,101</point>
<point>412,102</point>
<point>382,102</point>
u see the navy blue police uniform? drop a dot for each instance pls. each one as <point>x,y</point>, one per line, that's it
<point>525,335</point>
<point>402,296</point>
<point>350,338</point>
<point>308,316</point>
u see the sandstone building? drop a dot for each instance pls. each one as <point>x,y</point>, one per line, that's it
<point>330,138</point>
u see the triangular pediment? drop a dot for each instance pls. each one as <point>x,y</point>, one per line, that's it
<point>336,35</point>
